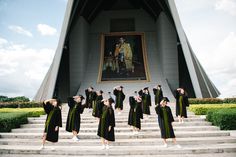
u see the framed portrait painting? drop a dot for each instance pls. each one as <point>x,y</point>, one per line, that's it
<point>123,58</point>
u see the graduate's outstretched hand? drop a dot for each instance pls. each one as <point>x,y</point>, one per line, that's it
<point>109,129</point>
<point>56,128</point>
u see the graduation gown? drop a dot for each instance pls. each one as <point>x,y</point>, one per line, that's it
<point>158,95</point>
<point>73,118</point>
<point>90,98</point>
<point>146,102</point>
<point>107,119</point>
<point>165,118</point>
<point>135,113</point>
<point>53,119</point>
<point>120,97</point>
<point>181,104</point>
<point>96,110</point>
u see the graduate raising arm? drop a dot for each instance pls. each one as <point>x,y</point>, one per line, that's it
<point>146,101</point>
<point>181,104</point>
<point>96,106</point>
<point>120,96</point>
<point>157,91</point>
<point>53,120</point>
<point>135,113</point>
<point>106,123</point>
<point>165,119</point>
<point>73,118</point>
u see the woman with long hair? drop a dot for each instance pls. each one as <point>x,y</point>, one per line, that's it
<point>53,120</point>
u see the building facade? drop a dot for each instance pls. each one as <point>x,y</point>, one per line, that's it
<point>169,58</point>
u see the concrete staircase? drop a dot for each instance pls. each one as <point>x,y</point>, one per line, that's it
<point>196,137</point>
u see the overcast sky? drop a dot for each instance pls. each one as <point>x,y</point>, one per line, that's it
<point>30,29</point>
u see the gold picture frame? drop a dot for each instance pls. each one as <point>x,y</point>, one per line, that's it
<point>123,58</point>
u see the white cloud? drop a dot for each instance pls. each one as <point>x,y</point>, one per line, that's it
<point>227,6</point>
<point>225,54</point>
<point>191,5</point>
<point>20,30</point>
<point>221,65</point>
<point>46,30</point>
<point>212,35</point>
<point>3,42</point>
<point>22,69</point>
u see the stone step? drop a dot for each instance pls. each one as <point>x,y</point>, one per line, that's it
<point>153,113</point>
<point>126,109</point>
<point>123,129</point>
<point>147,124</point>
<point>37,121</point>
<point>121,135</point>
<point>123,142</point>
<point>119,150</point>
<point>122,116</point>
<point>159,155</point>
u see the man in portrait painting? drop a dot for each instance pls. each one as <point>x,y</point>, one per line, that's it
<point>124,57</point>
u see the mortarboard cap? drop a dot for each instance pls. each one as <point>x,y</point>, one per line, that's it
<point>81,97</point>
<point>111,100</point>
<point>165,99</point>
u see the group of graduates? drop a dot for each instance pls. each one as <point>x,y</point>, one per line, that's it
<point>103,110</point>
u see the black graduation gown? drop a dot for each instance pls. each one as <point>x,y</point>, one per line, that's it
<point>73,118</point>
<point>165,118</point>
<point>158,95</point>
<point>135,113</point>
<point>146,102</point>
<point>107,119</point>
<point>90,98</point>
<point>120,97</point>
<point>96,110</point>
<point>53,119</point>
<point>181,104</point>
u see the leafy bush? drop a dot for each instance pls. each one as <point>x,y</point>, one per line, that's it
<point>20,104</point>
<point>202,109</point>
<point>230,100</point>
<point>13,117</point>
<point>209,114</point>
<point>224,118</point>
<point>3,98</point>
<point>12,120</point>
<point>14,99</point>
<point>205,101</point>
